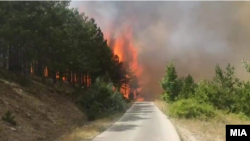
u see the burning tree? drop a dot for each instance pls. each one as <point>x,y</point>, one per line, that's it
<point>130,82</point>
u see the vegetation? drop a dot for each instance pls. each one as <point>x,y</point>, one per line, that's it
<point>171,84</point>
<point>8,117</point>
<point>191,108</point>
<point>246,65</point>
<point>102,98</point>
<point>49,40</point>
<point>225,93</point>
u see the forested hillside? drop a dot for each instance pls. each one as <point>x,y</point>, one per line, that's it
<point>48,39</point>
<point>50,56</point>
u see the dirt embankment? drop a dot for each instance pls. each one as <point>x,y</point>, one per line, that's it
<point>42,113</point>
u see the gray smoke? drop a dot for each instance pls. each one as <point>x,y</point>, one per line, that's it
<point>197,35</point>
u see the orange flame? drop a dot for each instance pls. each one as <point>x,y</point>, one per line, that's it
<point>123,43</point>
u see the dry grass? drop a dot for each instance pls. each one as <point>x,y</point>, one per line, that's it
<point>44,113</point>
<point>200,130</point>
<point>41,112</point>
<point>91,129</point>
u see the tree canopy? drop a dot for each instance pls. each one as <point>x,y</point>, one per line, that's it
<point>48,36</point>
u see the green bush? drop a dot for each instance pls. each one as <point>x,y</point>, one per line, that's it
<point>191,108</point>
<point>101,98</point>
<point>223,92</point>
<point>8,117</point>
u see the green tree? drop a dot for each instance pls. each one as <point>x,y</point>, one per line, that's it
<point>170,83</point>
<point>48,34</point>
<point>222,91</point>
<point>246,65</point>
<point>187,87</point>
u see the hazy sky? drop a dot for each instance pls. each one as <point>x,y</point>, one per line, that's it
<point>197,35</point>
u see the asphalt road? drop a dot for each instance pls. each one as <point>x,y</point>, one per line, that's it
<point>142,122</point>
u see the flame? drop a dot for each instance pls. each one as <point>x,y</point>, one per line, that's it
<point>46,72</point>
<point>118,49</point>
<point>140,99</point>
<point>123,47</point>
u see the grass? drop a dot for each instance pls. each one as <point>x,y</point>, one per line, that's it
<point>8,117</point>
<point>91,129</point>
<point>203,130</point>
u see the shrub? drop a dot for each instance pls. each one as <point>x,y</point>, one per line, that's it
<point>222,92</point>
<point>225,93</point>
<point>8,117</point>
<point>242,104</point>
<point>217,96</point>
<point>191,108</point>
<point>101,98</point>
<point>187,87</point>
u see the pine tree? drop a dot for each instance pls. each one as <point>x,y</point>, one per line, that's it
<point>170,83</point>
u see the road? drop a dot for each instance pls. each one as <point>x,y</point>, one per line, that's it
<point>142,122</point>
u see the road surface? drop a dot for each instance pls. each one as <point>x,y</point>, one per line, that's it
<point>142,122</point>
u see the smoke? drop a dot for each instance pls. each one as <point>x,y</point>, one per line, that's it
<point>197,35</point>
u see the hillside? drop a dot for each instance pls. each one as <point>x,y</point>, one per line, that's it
<point>42,113</point>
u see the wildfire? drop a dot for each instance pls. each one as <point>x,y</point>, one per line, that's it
<point>123,46</point>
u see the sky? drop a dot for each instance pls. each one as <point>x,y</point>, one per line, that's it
<point>196,35</point>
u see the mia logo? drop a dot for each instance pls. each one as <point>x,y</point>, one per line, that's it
<point>238,132</point>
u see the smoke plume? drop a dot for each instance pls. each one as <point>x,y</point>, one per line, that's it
<point>196,35</point>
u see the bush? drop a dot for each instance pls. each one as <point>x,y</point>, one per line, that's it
<point>191,108</point>
<point>101,98</point>
<point>187,87</point>
<point>220,97</point>
<point>8,117</point>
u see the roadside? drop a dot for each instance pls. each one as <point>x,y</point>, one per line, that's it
<point>43,112</point>
<point>40,113</point>
<point>90,129</point>
<point>93,128</point>
<point>202,130</point>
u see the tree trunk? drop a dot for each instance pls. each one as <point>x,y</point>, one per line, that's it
<point>26,71</point>
<point>81,79</point>
<point>73,79</point>
<point>61,75</point>
<point>40,68</point>
<point>1,54</point>
<point>7,57</point>
<point>85,81</point>
<point>54,77</point>
<point>69,76</point>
